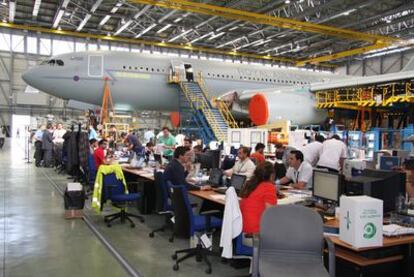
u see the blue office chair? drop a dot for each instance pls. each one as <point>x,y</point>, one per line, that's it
<point>163,204</point>
<point>91,171</point>
<point>241,249</point>
<point>184,218</point>
<point>114,190</point>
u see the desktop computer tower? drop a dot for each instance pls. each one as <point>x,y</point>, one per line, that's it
<point>381,184</point>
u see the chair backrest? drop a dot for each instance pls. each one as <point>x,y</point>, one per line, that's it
<point>111,186</point>
<point>161,192</point>
<point>291,228</point>
<point>91,168</point>
<point>184,218</point>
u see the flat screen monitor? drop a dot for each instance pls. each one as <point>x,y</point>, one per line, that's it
<point>158,158</point>
<point>326,185</point>
<point>237,181</point>
<point>389,163</point>
<point>215,176</point>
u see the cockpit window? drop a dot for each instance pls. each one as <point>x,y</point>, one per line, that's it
<point>53,62</point>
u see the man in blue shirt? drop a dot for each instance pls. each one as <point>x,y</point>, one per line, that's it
<point>132,143</point>
<point>38,155</point>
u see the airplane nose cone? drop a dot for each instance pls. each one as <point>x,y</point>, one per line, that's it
<point>28,77</point>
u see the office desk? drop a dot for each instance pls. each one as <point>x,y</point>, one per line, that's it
<point>144,180</point>
<point>372,261</point>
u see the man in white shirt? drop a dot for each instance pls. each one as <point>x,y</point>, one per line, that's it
<point>334,152</point>
<point>299,171</point>
<point>312,151</point>
<point>58,134</point>
<point>244,166</point>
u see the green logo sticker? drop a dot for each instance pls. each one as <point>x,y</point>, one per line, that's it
<point>369,230</point>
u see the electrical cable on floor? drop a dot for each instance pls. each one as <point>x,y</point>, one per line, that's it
<point>131,271</point>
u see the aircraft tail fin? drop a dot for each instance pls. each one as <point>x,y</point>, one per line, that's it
<point>409,66</point>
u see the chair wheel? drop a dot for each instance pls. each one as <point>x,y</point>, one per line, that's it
<point>151,235</point>
<point>208,271</point>
<point>199,258</point>
<point>174,256</point>
<point>132,225</point>
<point>105,220</point>
<point>108,225</point>
<point>175,267</point>
<point>171,239</point>
<point>142,220</point>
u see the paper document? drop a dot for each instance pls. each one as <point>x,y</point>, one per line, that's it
<point>392,230</point>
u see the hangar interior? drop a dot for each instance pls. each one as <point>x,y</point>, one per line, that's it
<point>220,75</point>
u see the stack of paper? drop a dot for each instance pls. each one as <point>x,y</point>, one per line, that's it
<point>393,230</point>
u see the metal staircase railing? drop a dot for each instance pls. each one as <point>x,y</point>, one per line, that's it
<point>200,103</point>
<point>221,106</point>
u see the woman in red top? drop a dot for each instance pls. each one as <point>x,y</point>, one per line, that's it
<point>257,194</point>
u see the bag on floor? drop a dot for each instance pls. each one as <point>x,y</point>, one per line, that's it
<point>74,196</point>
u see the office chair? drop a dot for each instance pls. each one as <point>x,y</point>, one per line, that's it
<point>290,244</point>
<point>114,190</point>
<point>91,175</point>
<point>186,221</point>
<point>163,206</point>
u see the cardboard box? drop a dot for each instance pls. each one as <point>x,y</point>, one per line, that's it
<point>361,221</point>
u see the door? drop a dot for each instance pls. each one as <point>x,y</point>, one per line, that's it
<point>178,70</point>
<point>95,66</point>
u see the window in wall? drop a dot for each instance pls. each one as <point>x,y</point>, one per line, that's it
<point>135,49</point>
<point>5,42</point>
<point>17,43</point>
<point>45,46</point>
<point>104,46</point>
<point>32,45</point>
<point>62,46</point>
<point>80,46</point>
<point>92,46</point>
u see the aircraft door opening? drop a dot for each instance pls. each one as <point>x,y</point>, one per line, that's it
<point>95,66</point>
<point>189,73</point>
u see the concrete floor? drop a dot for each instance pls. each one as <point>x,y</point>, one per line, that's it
<point>39,242</point>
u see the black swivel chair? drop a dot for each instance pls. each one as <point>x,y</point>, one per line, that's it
<point>163,204</point>
<point>114,190</point>
<point>188,224</point>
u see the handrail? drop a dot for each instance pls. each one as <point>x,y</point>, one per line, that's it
<point>201,103</point>
<point>222,107</point>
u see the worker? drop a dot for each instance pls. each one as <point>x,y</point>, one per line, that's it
<point>2,136</point>
<point>168,142</point>
<point>258,194</point>
<point>38,155</point>
<point>244,166</point>
<point>93,145</point>
<point>133,143</point>
<point>280,167</point>
<point>47,145</point>
<point>100,156</point>
<point>299,171</point>
<point>198,149</point>
<point>92,133</point>
<point>176,172</point>
<point>334,152</point>
<point>312,151</point>
<point>258,156</point>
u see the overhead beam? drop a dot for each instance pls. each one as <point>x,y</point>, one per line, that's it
<point>59,14</point>
<point>186,47</point>
<point>258,18</point>
<point>130,21</point>
<point>340,55</point>
<point>108,16</point>
<point>85,20</point>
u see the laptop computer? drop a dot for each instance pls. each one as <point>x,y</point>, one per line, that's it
<point>214,179</point>
<point>237,181</point>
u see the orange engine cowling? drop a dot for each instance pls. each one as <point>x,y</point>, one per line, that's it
<point>259,109</point>
<point>175,119</point>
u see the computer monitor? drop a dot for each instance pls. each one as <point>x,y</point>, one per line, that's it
<point>326,185</point>
<point>382,184</point>
<point>158,158</point>
<point>389,162</point>
<point>234,151</point>
<point>215,177</point>
<point>237,181</point>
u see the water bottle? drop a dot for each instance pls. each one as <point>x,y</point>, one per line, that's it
<point>400,203</point>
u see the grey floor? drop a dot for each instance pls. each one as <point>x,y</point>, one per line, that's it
<point>38,241</point>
